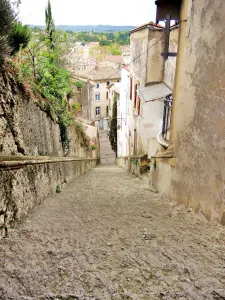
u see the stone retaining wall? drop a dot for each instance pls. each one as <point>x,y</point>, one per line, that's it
<point>26,183</point>
<point>136,165</point>
<point>26,129</point>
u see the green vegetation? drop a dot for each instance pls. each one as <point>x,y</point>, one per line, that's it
<point>79,84</point>
<point>79,126</point>
<point>39,62</point>
<point>13,35</point>
<point>41,65</point>
<point>58,189</point>
<point>105,39</point>
<point>50,26</point>
<point>113,129</point>
<point>6,24</point>
<point>39,58</point>
<point>19,37</point>
<point>99,52</point>
<point>109,43</point>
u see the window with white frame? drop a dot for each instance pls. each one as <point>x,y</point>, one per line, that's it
<point>97,96</point>
<point>97,85</point>
<point>97,110</point>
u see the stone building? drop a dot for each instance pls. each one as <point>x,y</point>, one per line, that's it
<point>192,169</point>
<point>149,81</point>
<point>126,54</point>
<point>98,80</point>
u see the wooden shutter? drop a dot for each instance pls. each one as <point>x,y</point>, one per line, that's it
<point>135,95</point>
<point>139,105</point>
<point>131,87</point>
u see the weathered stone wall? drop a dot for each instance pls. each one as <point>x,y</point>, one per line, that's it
<point>28,135</point>
<point>170,63</point>
<point>139,44</point>
<point>136,165</point>
<point>155,61</point>
<point>82,97</point>
<point>148,67</point>
<point>28,130</point>
<point>25,184</point>
<point>198,129</point>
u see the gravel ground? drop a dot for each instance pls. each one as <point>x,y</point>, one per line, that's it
<point>107,237</point>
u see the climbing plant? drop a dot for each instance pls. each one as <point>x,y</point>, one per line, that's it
<point>113,129</point>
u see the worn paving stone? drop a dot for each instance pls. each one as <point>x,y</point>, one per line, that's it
<point>108,237</point>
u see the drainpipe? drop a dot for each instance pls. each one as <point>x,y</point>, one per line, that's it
<point>161,141</point>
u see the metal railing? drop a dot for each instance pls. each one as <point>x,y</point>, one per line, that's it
<point>167,115</point>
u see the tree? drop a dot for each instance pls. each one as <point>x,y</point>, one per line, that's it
<point>32,54</point>
<point>50,26</point>
<point>113,129</point>
<point>6,21</point>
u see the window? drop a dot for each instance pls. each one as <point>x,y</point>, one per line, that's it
<point>131,87</point>
<point>107,95</point>
<point>97,110</point>
<point>107,111</point>
<point>108,83</point>
<point>97,85</point>
<point>97,96</point>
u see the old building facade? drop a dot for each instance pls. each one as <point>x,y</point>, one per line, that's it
<point>150,81</point>
<point>176,104</point>
<point>98,80</point>
<point>192,169</point>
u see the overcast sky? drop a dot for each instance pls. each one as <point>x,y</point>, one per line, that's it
<point>89,12</point>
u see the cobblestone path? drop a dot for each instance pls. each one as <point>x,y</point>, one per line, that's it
<point>107,237</point>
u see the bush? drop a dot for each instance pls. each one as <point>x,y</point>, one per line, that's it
<point>79,84</point>
<point>7,17</point>
<point>79,126</point>
<point>19,37</point>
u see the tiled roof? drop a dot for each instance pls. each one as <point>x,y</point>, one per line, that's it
<point>101,73</point>
<point>114,58</point>
<point>146,25</point>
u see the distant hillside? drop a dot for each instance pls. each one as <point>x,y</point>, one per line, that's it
<point>88,28</point>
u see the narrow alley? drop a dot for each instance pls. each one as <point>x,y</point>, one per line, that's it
<point>106,236</point>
